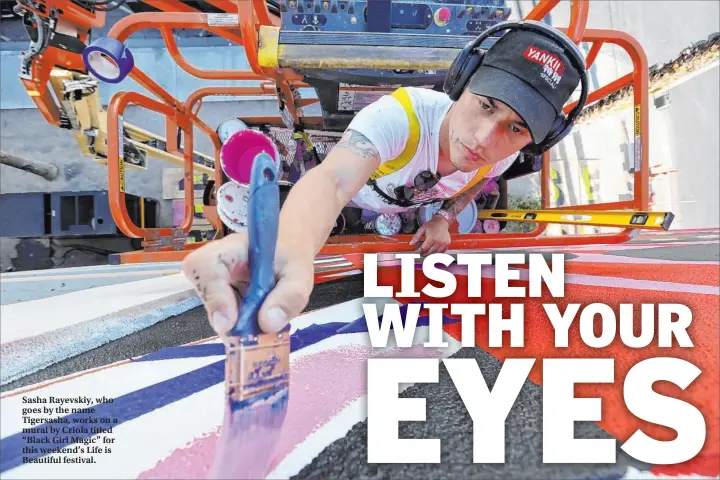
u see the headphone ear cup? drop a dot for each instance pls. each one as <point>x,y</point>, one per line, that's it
<point>559,129</point>
<point>456,68</point>
<point>460,72</point>
<point>533,150</point>
<point>557,132</point>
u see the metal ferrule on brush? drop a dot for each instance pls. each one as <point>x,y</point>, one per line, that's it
<point>257,365</point>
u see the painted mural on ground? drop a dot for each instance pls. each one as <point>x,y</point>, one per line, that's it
<point>177,393</point>
<point>158,416</point>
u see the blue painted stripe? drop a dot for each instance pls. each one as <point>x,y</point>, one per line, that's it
<point>140,402</point>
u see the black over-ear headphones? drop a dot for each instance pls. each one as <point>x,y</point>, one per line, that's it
<point>470,59</point>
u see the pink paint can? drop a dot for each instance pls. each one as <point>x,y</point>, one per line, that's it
<point>239,151</point>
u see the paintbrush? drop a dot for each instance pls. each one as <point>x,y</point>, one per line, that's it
<point>257,365</point>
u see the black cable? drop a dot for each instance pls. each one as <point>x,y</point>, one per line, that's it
<point>273,7</point>
<point>83,248</point>
<point>74,247</point>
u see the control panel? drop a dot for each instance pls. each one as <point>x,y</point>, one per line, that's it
<point>427,24</point>
<point>437,17</point>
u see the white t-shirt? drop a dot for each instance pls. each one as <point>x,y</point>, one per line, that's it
<point>385,124</point>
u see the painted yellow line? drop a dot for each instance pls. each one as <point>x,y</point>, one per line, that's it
<point>90,275</point>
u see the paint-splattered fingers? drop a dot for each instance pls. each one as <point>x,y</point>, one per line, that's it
<point>218,272</point>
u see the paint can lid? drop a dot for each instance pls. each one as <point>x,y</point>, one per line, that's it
<point>232,203</point>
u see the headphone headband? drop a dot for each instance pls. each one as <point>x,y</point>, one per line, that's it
<point>471,57</point>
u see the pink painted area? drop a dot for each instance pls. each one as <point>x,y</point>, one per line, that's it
<point>594,258</point>
<point>638,246</point>
<point>603,281</point>
<point>686,230</point>
<point>245,445</point>
<point>321,386</point>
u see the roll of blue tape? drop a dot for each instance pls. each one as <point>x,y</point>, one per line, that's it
<point>108,59</point>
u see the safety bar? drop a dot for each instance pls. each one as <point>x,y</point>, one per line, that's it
<point>116,172</point>
<point>177,114</point>
<point>174,7</point>
<point>639,79</point>
<point>195,99</point>
<point>190,18</point>
<point>579,10</point>
<point>116,166</point>
<point>174,51</point>
<point>166,22</point>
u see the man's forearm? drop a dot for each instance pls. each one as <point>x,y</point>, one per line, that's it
<point>309,213</point>
<point>453,206</point>
<point>316,200</point>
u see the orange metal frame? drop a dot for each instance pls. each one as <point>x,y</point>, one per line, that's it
<point>178,114</point>
<point>80,21</point>
<point>254,13</point>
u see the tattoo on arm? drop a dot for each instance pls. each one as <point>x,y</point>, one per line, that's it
<point>456,205</point>
<point>358,143</point>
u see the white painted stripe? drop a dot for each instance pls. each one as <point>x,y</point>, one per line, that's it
<point>78,276</point>
<point>26,356</point>
<point>342,274</point>
<point>136,267</point>
<point>660,244</point>
<point>36,317</point>
<point>577,248</point>
<point>320,261</point>
<point>633,284</point>
<point>614,282</point>
<point>330,268</point>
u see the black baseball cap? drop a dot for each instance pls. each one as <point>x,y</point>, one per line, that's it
<point>532,74</point>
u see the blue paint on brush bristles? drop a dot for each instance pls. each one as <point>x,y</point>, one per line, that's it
<point>257,365</point>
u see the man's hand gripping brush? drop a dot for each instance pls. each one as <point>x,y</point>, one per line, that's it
<point>257,364</point>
